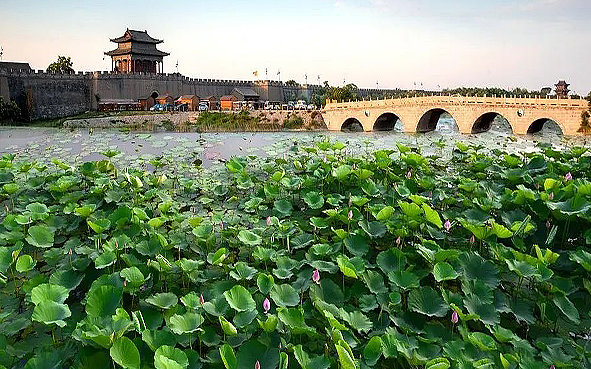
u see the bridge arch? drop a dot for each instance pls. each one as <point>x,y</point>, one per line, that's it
<point>386,122</point>
<point>484,122</point>
<point>352,124</point>
<point>538,124</point>
<point>430,118</point>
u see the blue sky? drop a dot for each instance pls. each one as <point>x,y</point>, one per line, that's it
<point>504,43</point>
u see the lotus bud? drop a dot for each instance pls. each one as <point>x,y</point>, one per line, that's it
<point>266,305</point>
<point>350,214</point>
<point>316,276</point>
<point>268,221</point>
<point>568,177</point>
<point>283,156</point>
<point>324,159</point>
<point>350,201</point>
<point>273,238</point>
<point>125,283</point>
<point>552,367</point>
<point>409,174</point>
<point>447,225</point>
<point>454,317</point>
<point>551,196</point>
<point>398,241</point>
<point>472,239</point>
<point>70,252</point>
<point>201,299</point>
<point>221,224</point>
<point>280,347</point>
<point>548,224</point>
<point>257,365</point>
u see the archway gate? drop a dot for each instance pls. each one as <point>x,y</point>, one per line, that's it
<point>521,113</point>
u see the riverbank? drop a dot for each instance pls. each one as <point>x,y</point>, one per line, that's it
<point>249,121</point>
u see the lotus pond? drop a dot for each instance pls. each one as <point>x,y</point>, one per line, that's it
<point>311,251</point>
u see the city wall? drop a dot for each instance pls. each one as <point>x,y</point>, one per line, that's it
<point>44,95</point>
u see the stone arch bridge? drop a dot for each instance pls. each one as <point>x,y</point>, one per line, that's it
<point>472,114</point>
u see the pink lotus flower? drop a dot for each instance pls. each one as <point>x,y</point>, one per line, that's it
<point>350,214</point>
<point>548,224</point>
<point>551,196</point>
<point>268,221</point>
<point>568,177</point>
<point>409,174</point>
<point>316,276</point>
<point>266,305</point>
<point>447,225</point>
<point>257,365</point>
<point>398,241</point>
<point>201,299</point>
<point>454,317</point>
<point>552,367</point>
<point>472,239</point>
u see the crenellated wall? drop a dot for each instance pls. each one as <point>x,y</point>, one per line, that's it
<point>46,95</point>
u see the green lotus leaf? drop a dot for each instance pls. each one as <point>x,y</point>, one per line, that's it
<point>156,222</point>
<point>244,318</point>
<point>164,300</point>
<point>567,307</point>
<point>583,258</point>
<point>427,301</point>
<point>105,259</point>
<point>482,341</point>
<point>293,318</point>
<point>374,282</point>
<point>125,353</point>
<point>40,236</point>
<point>345,358</point>
<point>156,338</point>
<point>249,238</point>
<point>25,263</point>
<point>103,301</point>
<point>404,279</point>
<point>168,357</point>
<point>191,301</point>
<point>432,216</point>
<point>356,244</point>
<point>268,325</point>
<point>341,172</point>
<point>476,268</point>
<point>99,225</point>
<point>314,200</point>
<point>38,211</point>
<point>391,260</point>
<point>217,306</point>
<point>373,229</point>
<point>228,357</point>
<point>410,209</point>
<point>283,207</point>
<point>284,295</point>
<point>573,206</point>
<point>227,327</point>
<point>320,223</point>
<point>239,298</point>
<point>291,182</point>
<point>318,362</point>
<point>133,276</point>
<point>346,267</point>
<point>265,282</point>
<point>443,271</point>
<point>438,363</point>
<point>186,323</point>
<point>385,213</point>
<point>254,350</point>
<point>218,257</point>
<point>357,320</point>
<point>50,312</point>
<point>49,292</point>
<point>373,350</point>
<point>67,278</point>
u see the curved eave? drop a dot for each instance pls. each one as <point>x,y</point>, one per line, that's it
<point>125,52</point>
<point>127,39</point>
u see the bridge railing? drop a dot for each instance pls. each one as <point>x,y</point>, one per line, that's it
<point>459,100</point>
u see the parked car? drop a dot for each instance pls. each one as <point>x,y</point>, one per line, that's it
<point>204,106</point>
<point>311,107</point>
<point>169,107</point>
<point>300,105</point>
<point>182,107</point>
<point>157,107</point>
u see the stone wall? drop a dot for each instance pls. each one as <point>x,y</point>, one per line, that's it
<point>45,95</point>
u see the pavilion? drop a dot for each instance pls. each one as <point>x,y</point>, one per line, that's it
<point>136,52</point>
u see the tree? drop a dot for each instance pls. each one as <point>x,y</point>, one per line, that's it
<point>63,65</point>
<point>291,82</point>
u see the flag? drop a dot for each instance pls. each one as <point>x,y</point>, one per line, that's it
<point>278,72</point>
<point>256,73</point>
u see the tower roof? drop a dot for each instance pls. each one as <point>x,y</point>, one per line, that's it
<point>136,50</point>
<point>139,36</point>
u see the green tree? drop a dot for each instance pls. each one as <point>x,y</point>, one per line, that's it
<point>62,65</point>
<point>291,82</point>
<point>9,110</point>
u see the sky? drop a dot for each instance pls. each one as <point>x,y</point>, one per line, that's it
<point>435,44</point>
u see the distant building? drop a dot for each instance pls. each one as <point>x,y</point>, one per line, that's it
<point>165,100</point>
<point>226,102</point>
<point>15,66</point>
<point>562,89</point>
<point>245,94</point>
<point>192,101</point>
<point>136,52</point>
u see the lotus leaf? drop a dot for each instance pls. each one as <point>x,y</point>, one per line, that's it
<point>125,353</point>
<point>239,298</point>
<point>40,236</point>
<point>167,357</point>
